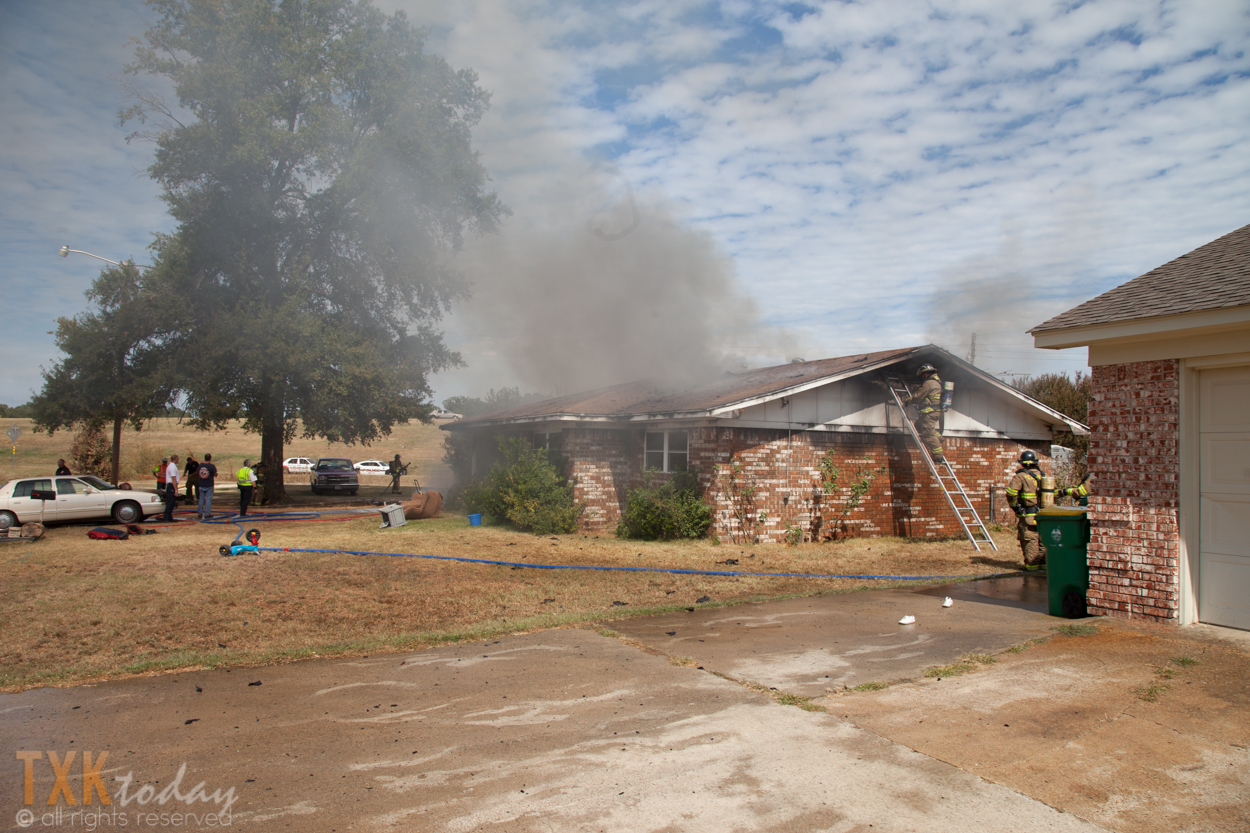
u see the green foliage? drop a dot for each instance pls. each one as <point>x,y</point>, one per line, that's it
<point>525,489</point>
<point>321,175</point>
<point>827,485</point>
<point>1068,396</point>
<point>1076,630</point>
<point>458,455</point>
<point>794,535</point>
<point>739,486</point>
<point>666,511</point>
<point>495,400</point>
<point>116,368</point>
<point>16,411</point>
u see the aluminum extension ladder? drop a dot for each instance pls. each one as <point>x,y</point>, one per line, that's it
<point>945,475</point>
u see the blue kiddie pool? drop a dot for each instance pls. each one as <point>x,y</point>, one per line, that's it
<point>475,519</point>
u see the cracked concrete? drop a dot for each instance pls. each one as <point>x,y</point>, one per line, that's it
<point>574,730</point>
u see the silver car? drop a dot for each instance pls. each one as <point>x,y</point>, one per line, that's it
<point>79,498</point>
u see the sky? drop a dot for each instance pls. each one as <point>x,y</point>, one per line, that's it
<point>770,180</point>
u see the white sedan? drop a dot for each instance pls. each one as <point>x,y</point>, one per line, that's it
<point>297,464</point>
<point>79,498</point>
<point>372,467</point>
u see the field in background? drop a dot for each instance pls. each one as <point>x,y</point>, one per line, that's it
<point>420,445</point>
<point>74,610</point>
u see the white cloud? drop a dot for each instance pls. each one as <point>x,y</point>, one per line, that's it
<point>860,165</point>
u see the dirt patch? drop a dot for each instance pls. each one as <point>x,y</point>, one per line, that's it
<point>1070,722</point>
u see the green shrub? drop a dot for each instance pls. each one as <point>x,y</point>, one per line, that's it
<point>669,510</point>
<point>526,490</point>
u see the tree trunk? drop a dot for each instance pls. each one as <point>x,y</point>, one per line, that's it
<point>117,445</point>
<point>272,438</point>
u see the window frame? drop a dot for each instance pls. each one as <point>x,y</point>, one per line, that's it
<point>667,453</point>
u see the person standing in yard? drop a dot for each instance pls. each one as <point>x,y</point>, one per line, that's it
<point>246,478</point>
<point>207,479</point>
<point>171,485</point>
<point>62,470</point>
<point>397,468</point>
<point>191,472</point>
<point>1022,497</point>
<point>928,402</point>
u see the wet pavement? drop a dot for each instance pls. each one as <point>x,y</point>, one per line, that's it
<point>681,722</point>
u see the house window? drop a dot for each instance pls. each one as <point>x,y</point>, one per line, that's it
<point>667,451</point>
<point>549,440</point>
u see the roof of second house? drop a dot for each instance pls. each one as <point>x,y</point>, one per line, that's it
<point>1210,277</point>
<point>647,400</point>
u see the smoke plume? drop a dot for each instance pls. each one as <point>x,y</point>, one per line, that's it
<point>606,286</point>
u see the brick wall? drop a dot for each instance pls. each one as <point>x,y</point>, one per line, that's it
<point>903,498</point>
<point>1134,567</point>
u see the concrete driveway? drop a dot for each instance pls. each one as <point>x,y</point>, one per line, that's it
<point>686,722</point>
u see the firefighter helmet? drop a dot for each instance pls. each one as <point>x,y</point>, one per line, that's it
<point>925,370</point>
<point>1028,458</point>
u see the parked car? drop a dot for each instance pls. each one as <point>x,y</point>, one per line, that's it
<point>297,464</point>
<point>334,474</point>
<point>373,467</point>
<point>443,413</point>
<point>80,498</point>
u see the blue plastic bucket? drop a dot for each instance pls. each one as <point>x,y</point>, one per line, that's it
<point>475,519</point>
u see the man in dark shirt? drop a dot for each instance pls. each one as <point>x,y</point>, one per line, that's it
<point>61,469</point>
<point>207,479</point>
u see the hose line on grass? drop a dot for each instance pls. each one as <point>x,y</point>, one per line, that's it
<point>630,569</point>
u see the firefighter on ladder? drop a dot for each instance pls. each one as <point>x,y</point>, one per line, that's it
<point>1022,497</point>
<point>928,402</point>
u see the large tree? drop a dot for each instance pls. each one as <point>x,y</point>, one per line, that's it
<point>320,171</point>
<point>115,369</point>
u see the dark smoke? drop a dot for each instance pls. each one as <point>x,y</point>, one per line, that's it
<point>610,287</point>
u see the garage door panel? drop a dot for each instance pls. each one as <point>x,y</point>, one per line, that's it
<point>1222,598</point>
<point>1225,523</point>
<point>1225,399</point>
<point>1226,462</point>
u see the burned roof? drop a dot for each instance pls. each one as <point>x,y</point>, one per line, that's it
<point>644,400</point>
<point>1210,277</point>
<point>635,398</point>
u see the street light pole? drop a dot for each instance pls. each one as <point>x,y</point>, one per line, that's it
<point>65,250</point>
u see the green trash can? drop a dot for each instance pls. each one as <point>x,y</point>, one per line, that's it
<point>1064,531</point>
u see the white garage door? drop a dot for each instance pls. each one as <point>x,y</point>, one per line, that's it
<point>1224,550</point>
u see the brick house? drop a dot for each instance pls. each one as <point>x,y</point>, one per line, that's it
<point>1169,353</point>
<point>777,424</point>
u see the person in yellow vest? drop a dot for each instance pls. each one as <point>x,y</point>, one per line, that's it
<point>1022,497</point>
<point>928,402</point>
<point>246,478</point>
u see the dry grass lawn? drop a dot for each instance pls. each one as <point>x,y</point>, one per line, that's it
<point>74,610</point>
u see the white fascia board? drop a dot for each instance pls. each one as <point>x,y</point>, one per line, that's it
<point>530,420</point>
<point>802,388</point>
<point>1226,318</point>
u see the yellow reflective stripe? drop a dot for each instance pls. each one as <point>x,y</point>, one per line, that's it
<point>1012,493</point>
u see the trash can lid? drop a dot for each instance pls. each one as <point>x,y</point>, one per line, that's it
<point>1062,511</point>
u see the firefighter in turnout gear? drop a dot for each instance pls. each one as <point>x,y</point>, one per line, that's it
<point>1022,497</point>
<point>928,402</point>
<point>1079,493</point>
